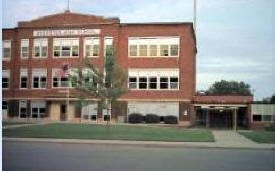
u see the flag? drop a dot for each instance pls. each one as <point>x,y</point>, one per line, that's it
<point>63,71</point>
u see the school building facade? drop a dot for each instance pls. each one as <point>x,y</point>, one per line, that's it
<point>160,59</point>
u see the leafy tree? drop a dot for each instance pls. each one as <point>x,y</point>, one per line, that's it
<point>272,100</point>
<point>229,87</point>
<point>105,83</point>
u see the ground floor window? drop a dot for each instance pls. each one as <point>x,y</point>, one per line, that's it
<point>38,109</point>
<point>107,113</point>
<point>89,112</point>
<point>263,118</point>
<point>4,105</point>
<point>23,109</point>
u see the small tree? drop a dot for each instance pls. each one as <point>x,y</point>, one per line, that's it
<point>105,83</point>
<point>229,87</point>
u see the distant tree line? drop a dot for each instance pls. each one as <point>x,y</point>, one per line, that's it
<point>224,87</point>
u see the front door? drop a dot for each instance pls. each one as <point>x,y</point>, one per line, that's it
<point>63,111</point>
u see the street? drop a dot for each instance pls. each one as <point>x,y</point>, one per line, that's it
<point>57,156</point>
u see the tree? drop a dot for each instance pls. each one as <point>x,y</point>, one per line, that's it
<point>229,87</point>
<point>105,83</point>
<point>272,100</point>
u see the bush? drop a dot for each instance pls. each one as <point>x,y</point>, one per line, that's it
<point>135,118</point>
<point>152,118</point>
<point>270,127</point>
<point>170,119</point>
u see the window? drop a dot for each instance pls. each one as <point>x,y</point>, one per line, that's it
<point>63,81</point>
<point>107,113</point>
<point>4,105</point>
<point>38,109</point>
<point>66,47</point>
<point>108,44</point>
<point>39,78</point>
<point>89,78</point>
<point>24,48</point>
<point>174,50</point>
<point>6,49</point>
<point>153,82</point>
<point>174,82</point>
<point>22,108</point>
<point>5,79</point>
<point>132,82</point>
<point>267,118</point>
<point>89,112</point>
<point>164,50</point>
<point>163,82</point>
<point>40,48</point>
<point>142,82</point>
<point>257,118</point>
<point>142,50</point>
<point>153,50</point>
<point>133,50</point>
<point>91,47</point>
<point>24,78</point>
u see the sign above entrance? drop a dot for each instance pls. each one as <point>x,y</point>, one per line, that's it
<point>65,32</point>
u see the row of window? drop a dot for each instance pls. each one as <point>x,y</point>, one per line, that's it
<point>153,82</point>
<point>62,47</point>
<point>69,47</point>
<point>263,118</point>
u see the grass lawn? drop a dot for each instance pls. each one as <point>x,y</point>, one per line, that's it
<point>7,123</point>
<point>111,132</point>
<point>260,136</point>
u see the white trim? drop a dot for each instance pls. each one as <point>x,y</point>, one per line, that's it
<point>24,43</point>
<point>72,43</point>
<point>40,42</point>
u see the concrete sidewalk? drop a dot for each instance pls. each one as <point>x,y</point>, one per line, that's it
<point>224,139</point>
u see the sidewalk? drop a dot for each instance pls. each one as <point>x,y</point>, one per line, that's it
<point>25,125</point>
<point>224,139</point>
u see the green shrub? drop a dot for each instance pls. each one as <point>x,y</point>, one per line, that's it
<point>170,119</point>
<point>135,118</point>
<point>152,118</point>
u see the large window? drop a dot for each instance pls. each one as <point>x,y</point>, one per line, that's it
<point>89,78</point>
<point>6,49</point>
<point>153,46</point>
<point>153,79</point>
<point>108,46</point>
<point>92,47</point>
<point>24,48</point>
<point>39,78</point>
<point>89,112</point>
<point>263,112</point>
<point>38,109</point>
<point>24,78</point>
<point>5,79</point>
<point>63,81</point>
<point>40,48</point>
<point>23,109</point>
<point>66,47</point>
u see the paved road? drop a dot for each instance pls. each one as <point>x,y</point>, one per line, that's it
<point>77,157</point>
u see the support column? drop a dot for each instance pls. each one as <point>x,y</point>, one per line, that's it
<point>235,119</point>
<point>207,118</point>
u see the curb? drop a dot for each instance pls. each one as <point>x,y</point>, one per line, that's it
<point>205,145</point>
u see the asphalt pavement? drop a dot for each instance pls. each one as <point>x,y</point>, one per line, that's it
<point>93,157</point>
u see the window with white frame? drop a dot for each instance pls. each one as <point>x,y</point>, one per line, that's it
<point>66,47</point>
<point>153,46</point>
<point>63,82</point>
<point>6,49</point>
<point>153,79</point>
<point>24,78</point>
<point>108,46</point>
<point>89,112</point>
<point>39,78</point>
<point>38,109</point>
<point>89,78</point>
<point>40,48</point>
<point>23,108</point>
<point>263,112</point>
<point>92,46</point>
<point>5,79</point>
<point>24,48</point>
<point>107,113</point>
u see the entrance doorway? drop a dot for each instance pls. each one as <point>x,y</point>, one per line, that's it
<point>221,119</point>
<point>63,111</point>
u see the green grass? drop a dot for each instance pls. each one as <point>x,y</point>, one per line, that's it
<point>260,136</point>
<point>111,132</point>
<point>7,123</point>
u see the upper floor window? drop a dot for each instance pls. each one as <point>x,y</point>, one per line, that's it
<point>61,80</point>
<point>92,47</point>
<point>5,79</point>
<point>24,78</point>
<point>153,46</point>
<point>24,48</point>
<point>108,46</point>
<point>39,78</point>
<point>66,47</point>
<point>40,48</point>
<point>6,49</point>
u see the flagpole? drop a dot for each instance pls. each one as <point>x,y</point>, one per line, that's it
<point>195,15</point>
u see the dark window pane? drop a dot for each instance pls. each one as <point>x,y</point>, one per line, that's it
<point>257,118</point>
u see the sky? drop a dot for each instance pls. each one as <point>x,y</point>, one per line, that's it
<point>235,38</point>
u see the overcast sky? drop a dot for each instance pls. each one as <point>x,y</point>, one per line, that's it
<point>235,37</point>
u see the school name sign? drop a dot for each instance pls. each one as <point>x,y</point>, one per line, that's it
<point>65,32</point>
